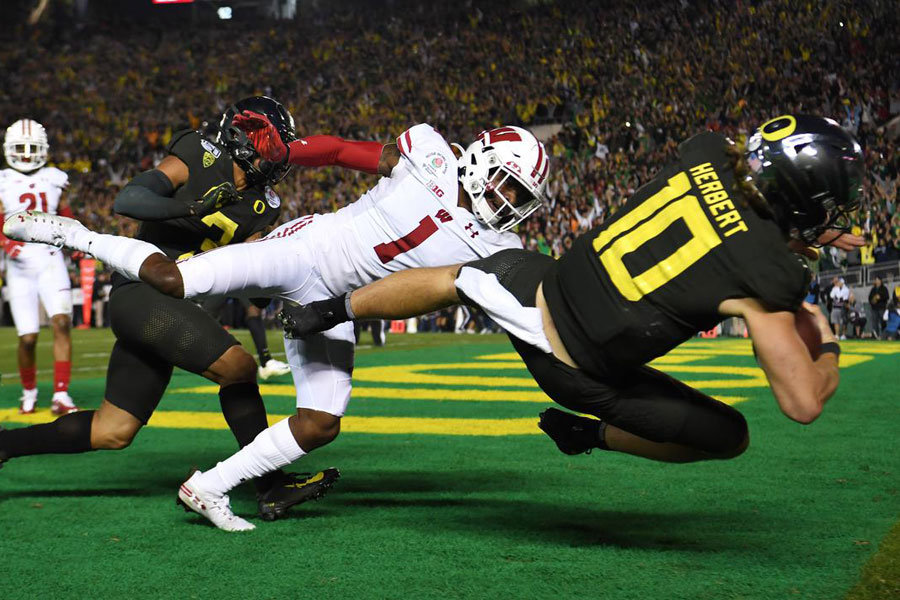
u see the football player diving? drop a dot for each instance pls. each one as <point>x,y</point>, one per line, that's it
<point>431,207</point>
<point>211,190</point>
<point>712,236</point>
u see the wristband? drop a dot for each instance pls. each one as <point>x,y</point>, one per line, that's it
<point>350,315</point>
<point>832,347</point>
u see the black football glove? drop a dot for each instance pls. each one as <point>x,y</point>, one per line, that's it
<point>301,320</point>
<point>215,199</point>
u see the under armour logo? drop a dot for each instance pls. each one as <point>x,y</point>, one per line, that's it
<point>471,229</point>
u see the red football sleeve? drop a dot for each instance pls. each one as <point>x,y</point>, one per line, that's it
<point>9,246</point>
<point>65,211</point>
<point>327,150</point>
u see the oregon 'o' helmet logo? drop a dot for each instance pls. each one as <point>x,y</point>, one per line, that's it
<point>778,128</point>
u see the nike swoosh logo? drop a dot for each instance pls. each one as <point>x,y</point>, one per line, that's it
<point>317,477</point>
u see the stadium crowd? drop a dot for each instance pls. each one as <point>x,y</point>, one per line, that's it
<point>625,81</point>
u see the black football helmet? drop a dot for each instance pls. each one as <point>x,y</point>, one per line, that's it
<point>241,148</point>
<point>810,170</point>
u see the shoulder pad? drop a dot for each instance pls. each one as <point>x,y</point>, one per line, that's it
<point>55,176</point>
<point>431,156</point>
<point>706,140</point>
<point>179,138</point>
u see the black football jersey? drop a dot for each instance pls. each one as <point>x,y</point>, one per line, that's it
<point>210,165</point>
<point>654,274</point>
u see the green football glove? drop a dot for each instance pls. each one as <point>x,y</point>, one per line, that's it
<point>215,199</point>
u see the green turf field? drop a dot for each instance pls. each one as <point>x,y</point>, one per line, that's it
<point>450,491</point>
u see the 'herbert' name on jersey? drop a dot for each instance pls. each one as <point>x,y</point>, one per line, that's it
<point>655,273</point>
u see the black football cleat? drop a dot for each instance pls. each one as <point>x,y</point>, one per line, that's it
<point>572,434</point>
<point>293,489</point>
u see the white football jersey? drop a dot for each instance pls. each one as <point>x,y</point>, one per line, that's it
<point>39,190</point>
<point>410,219</point>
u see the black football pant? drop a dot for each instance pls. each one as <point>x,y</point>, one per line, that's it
<point>639,400</point>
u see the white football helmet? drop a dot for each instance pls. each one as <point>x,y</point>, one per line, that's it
<point>25,145</point>
<point>490,161</point>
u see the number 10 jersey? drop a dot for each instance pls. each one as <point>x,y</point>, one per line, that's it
<point>654,274</point>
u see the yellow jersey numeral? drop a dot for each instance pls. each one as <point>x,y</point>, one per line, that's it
<point>636,228</point>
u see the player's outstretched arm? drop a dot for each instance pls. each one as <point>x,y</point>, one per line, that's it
<point>407,294</point>
<point>328,150</point>
<point>398,296</point>
<point>148,197</point>
<point>801,385</point>
<point>315,150</point>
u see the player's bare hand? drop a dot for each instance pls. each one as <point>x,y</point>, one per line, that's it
<point>831,237</point>
<point>262,134</point>
<point>820,320</point>
<point>216,198</point>
<point>842,241</point>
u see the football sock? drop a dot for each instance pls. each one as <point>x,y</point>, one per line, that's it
<point>62,371</point>
<point>245,413</point>
<point>69,434</point>
<point>125,255</point>
<point>29,377</point>
<point>273,448</point>
<point>258,333</point>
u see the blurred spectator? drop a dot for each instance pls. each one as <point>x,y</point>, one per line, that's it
<point>856,318</point>
<point>840,295</point>
<point>621,84</point>
<point>878,299</point>
<point>892,317</point>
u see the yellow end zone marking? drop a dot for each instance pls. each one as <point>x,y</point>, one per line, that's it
<point>423,374</point>
<point>384,425</point>
<point>672,358</point>
<point>869,348</point>
<point>471,395</point>
<point>415,373</point>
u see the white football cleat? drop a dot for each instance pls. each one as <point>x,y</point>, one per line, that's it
<point>27,401</point>
<point>35,226</point>
<point>274,368</point>
<point>215,508</point>
<point>62,404</point>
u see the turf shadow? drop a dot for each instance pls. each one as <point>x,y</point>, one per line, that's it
<point>83,493</point>
<point>574,526</point>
